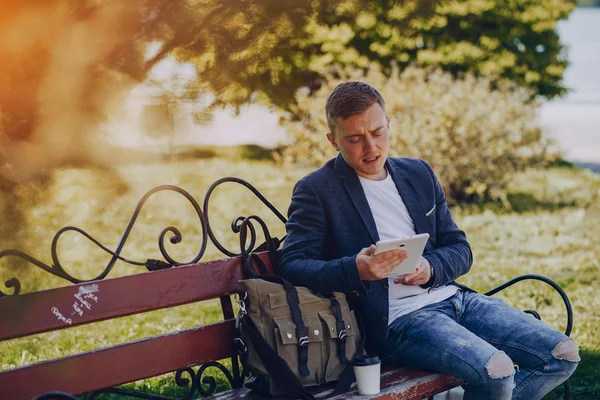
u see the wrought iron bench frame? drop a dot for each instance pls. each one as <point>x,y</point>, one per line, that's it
<point>237,375</point>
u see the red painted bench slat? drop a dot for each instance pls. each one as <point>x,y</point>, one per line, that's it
<point>36,312</point>
<point>120,364</point>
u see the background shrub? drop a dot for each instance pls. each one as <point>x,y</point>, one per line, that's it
<point>475,136</point>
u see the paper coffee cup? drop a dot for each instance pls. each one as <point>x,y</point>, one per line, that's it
<point>367,369</point>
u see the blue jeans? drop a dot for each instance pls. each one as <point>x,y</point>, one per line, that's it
<point>462,335</point>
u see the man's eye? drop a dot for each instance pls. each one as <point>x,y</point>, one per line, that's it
<point>378,132</point>
<point>354,140</point>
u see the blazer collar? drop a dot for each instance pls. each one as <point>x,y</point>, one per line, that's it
<point>341,167</point>
<point>357,195</point>
<point>405,185</point>
<point>410,195</point>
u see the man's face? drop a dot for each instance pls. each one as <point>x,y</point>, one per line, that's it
<point>363,140</point>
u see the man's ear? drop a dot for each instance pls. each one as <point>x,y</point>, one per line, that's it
<point>331,139</point>
<point>388,121</point>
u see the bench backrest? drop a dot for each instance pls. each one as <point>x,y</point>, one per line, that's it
<point>49,310</point>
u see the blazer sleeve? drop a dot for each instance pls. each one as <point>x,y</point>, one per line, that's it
<point>303,254</point>
<point>452,256</point>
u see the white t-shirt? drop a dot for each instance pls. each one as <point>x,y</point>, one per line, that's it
<point>393,221</point>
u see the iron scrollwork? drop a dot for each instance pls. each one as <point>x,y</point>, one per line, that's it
<point>234,381</point>
<point>58,270</point>
<point>193,385</point>
<point>235,225</point>
<point>179,380</point>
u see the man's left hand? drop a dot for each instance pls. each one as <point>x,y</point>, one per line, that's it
<point>419,277</point>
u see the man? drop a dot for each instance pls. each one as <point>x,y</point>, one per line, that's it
<point>423,320</point>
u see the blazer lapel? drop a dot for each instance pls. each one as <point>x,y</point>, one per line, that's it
<point>410,196</point>
<point>357,194</point>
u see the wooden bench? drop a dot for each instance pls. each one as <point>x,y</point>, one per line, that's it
<point>50,310</point>
<point>23,315</point>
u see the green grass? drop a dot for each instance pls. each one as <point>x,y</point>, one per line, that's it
<point>553,230</point>
<point>585,383</point>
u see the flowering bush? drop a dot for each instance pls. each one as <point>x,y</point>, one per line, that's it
<point>474,136</point>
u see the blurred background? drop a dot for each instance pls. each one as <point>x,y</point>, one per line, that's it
<point>574,120</point>
<point>100,101</point>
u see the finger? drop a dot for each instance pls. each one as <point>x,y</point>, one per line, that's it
<point>410,278</point>
<point>389,264</point>
<point>416,282</point>
<point>386,265</point>
<point>391,253</point>
<point>412,275</point>
<point>404,279</point>
<point>390,256</point>
<point>422,275</point>
<point>421,268</point>
<point>367,251</point>
<point>382,264</point>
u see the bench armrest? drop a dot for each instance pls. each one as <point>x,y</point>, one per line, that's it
<point>550,282</point>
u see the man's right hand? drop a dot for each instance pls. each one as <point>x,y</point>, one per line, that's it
<point>373,267</point>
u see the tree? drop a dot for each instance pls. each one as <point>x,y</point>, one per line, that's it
<point>588,3</point>
<point>513,40</point>
<point>273,48</point>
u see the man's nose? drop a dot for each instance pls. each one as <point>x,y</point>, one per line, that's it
<point>369,144</point>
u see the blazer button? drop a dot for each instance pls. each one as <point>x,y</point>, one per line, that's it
<point>386,286</point>
<point>384,319</point>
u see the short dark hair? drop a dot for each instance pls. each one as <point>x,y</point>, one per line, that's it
<point>350,98</point>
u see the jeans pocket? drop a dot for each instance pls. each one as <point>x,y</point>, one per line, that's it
<point>457,302</point>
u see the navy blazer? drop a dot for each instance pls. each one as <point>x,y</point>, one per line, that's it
<point>330,221</point>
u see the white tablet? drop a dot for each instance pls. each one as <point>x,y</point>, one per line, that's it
<point>414,246</point>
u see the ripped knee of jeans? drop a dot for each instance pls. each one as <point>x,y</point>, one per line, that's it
<point>567,350</point>
<point>500,366</point>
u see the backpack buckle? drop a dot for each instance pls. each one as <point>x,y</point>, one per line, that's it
<point>241,346</point>
<point>303,341</point>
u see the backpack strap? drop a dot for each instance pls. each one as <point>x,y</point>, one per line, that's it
<point>340,326</point>
<point>275,365</point>
<point>271,245</point>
